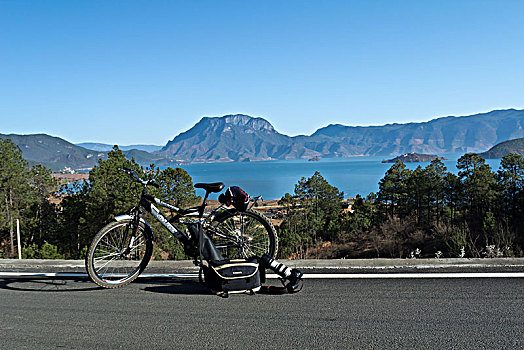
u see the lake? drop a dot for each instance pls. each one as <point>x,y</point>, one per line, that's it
<point>272,179</point>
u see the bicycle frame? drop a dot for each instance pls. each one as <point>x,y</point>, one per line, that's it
<point>146,202</point>
<point>196,214</point>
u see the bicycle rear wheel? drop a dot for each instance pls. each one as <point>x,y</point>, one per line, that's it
<point>243,234</point>
<point>116,257</point>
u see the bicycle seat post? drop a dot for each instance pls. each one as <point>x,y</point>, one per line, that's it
<point>203,206</point>
<point>209,188</point>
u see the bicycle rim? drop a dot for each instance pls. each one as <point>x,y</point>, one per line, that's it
<point>243,235</point>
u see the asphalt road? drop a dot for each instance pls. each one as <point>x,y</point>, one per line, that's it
<point>327,314</point>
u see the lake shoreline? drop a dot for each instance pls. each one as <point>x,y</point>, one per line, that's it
<point>273,179</point>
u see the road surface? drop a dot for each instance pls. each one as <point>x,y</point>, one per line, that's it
<point>456,313</point>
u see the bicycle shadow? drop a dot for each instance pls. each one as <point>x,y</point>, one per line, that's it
<point>188,287</point>
<point>47,285</point>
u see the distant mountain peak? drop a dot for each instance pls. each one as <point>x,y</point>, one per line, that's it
<point>234,137</point>
<point>255,123</point>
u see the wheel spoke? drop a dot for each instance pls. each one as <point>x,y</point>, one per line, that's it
<point>105,256</point>
<point>103,266</point>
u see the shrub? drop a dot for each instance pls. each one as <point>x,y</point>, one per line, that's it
<point>49,251</point>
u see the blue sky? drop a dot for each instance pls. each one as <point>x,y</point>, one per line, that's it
<point>129,72</point>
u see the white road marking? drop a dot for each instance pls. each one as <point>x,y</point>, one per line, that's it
<point>418,275</point>
<point>308,275</point>
<point>41,274</point>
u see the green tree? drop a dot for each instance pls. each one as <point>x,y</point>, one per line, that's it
<point>109,191</point>
<point>511,179</point>
<point>14,190</point>
<point>393,191</point>
<point>289,203</point>
<point>435,174</point>
<point>324,203</point>
<point>25,194</point>
<point>361,218</point>
<point>313,214</point>
<point>479,191</point>
<point>510,200</point>
<point>292,241</point>
<point>176,186</point>
<point>418,193</point>
<point>73,224</point>
<point>452,193</point>
<point>41,217</point>
<point>88,205</point>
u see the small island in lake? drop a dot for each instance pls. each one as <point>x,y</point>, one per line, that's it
<point>314,159</point>
<point>414,158</point>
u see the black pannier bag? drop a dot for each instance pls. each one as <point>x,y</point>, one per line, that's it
<point>227,276</point>
<point>223,276</point>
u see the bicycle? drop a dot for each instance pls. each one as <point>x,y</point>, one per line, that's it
<point>121,250</point>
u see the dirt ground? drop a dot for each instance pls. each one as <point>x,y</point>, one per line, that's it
<point>71,177</point>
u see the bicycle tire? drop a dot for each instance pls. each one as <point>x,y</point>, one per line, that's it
<point>244,234</point>
<point>108,264</point>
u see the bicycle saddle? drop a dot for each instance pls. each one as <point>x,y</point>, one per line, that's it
<point>211,187</point>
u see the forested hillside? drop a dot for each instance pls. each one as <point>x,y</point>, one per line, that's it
<point>504,148</point>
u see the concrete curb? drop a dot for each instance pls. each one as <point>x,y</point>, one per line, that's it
<point>308,266</point>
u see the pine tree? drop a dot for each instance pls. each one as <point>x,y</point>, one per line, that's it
<point>478,183</point>
<point>393,191</point>
<point>14,189</point>
<point>313,214</point>
<point>109,191</point>
<point>510,198</point>
<point>176,186</point>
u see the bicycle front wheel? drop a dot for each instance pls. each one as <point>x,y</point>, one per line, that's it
<point>244,234</point>
<point>116,256</point>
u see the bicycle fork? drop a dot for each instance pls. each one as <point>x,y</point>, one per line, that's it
<point>125,250</point>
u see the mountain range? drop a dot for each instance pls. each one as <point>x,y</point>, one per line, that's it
<point>104,147</point>
<point>57,154</point>
<point>244,138</point>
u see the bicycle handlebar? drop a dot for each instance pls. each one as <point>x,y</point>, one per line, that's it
<point>136,178</point>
